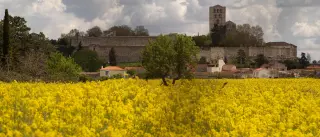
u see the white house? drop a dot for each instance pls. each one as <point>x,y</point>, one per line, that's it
<point>217,68</point>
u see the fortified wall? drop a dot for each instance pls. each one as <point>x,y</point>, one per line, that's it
<point>272,50</point>
<point>127,48</point>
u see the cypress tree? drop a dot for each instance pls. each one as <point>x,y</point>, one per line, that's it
<point>112,57</point>
<point>5,47</point>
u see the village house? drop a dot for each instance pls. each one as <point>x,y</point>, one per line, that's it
<point>112,71</point>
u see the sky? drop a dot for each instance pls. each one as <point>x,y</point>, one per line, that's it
<point>292,21</point>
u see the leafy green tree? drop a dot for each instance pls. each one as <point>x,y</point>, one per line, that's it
<point>60,68</point>
<point>291,64</point>
<point>88,60</point>
<point>141,31</point>
<point>202,40</point>
<point>5,46</point>
<point>244,35</point>
<point>122,30</point>
<point>314,62</point>
<point>157,58</point>
<point>260,60</point>
<point>94,32</point>
<point>112,57</point>
<point>170,56</point>
<point>185,57</point>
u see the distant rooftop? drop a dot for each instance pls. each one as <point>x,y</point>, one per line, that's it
<point>218,6</point>
<point>280,43</point>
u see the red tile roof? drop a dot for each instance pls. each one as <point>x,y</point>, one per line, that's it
<point>112,68</point>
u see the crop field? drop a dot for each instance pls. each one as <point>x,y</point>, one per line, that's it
<point>129,108</point>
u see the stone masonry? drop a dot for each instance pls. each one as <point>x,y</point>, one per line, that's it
<point>127,48</point>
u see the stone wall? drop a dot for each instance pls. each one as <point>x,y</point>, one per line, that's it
<point>127,48</point>
<point>272,52</point>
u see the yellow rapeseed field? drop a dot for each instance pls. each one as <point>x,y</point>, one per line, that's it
<point>129,108</point>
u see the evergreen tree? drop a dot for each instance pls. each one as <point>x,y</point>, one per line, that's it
<point>304,60</point>
<point>112,57</point>
<point>241,57</point>
<point>5,48</point>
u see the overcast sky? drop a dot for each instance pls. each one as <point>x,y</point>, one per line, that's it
<point>292,21</point>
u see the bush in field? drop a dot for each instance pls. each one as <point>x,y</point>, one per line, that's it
<point>60,68</point>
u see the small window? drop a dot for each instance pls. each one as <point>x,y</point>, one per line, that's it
<point>220,15</point>
<point>107,73</point>
<point>215,15</point>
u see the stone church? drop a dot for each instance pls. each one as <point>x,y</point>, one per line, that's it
<point>129,48</point>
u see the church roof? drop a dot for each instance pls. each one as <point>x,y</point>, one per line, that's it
<point>218,6</point>
<point>230,22</point>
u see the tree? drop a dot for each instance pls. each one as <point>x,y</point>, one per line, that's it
<point>122,30</point>
<point>157,58</point>
<point>260,60</point>
<point>244,35</point>
<point>308,57</point>
<point>33,64</point>
<point>314,62</point>
<point>170,56</point>
<point>185,55</point>
<point>303,60</point>
<point>141,31</point>
<point>88,60</point>
<point>80,46</point>
<point>241,57</point>
<point>94,32</point>
<point>5,47</point>
<point>292,64</point>
<point>318,62</point>
<point>60,68</point>
<point>217,34</point>
<point>202,40</point>
<point>112,57</point>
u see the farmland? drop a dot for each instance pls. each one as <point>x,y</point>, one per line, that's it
<point>250,107</point>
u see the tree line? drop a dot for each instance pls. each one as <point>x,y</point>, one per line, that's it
<point>29,56</point>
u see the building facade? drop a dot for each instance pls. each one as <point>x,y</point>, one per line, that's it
<point>217,15</point>
<point>272,50</point>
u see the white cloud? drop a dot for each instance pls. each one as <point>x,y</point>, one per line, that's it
<point>305,29</point>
